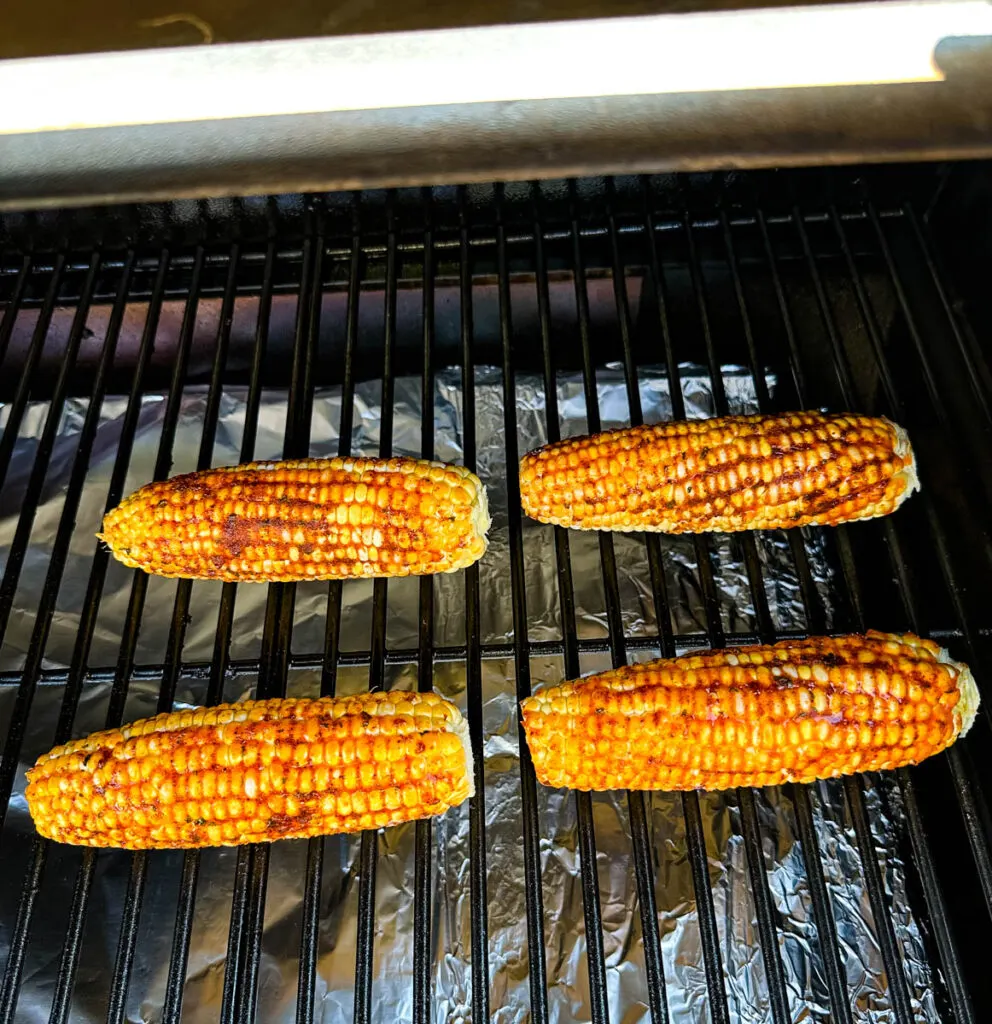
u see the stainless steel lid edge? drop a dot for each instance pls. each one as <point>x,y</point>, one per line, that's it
<point>821,84</point>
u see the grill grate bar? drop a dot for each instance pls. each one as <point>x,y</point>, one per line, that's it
<point>640,838</point>
<point>310,932</point>
<point>973,807</point>
<point>10,984</point>
<point>258,880</point>
<point>918,839</point>
<point>891,392</point>
<point>929,376</point>
<point>522,648</point>
<point>332,657</point>
<point>306,995</point>
<point>220,664</point>
<point>823,917</point>
<point>18,549</point>
<point>309,937</point>
<point>695,842</point>
<point>69,960</point>
<point>640,833</point>
<point>760,891</point>
<point>456,653</point>
<point>33,491</point>
<point>483,239</point>
<point>930,262</point>
<point>24,383</point>
<point>853,786</point>
<point>478,886</point>
<point>897,405</point>
<point>368,854</point>
<point>423,867</point>
<point>70,951</point>
<point>124,961</point>
<point>234,962</point>
<point>184,588</point>
<point>127,938</point>
<point>182,931</point>
<point>277,635</point>
<point>936,905</point>
<point>591,909</point>
<point>29,678</point>
<point>923,857</point>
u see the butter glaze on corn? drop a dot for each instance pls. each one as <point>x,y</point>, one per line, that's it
<point>309,519</point>
<point>753,716</point>
<point>255,772</point>
<point>731,473</point>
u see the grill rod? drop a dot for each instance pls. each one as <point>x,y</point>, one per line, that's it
<point>853,789</point>
<point>583,801</point>
<point>241,994</point>
<point>826,925</point>
<point>760,891</point>
<point>306,990</point>
<point>640,836</point>
<point>40,847</point>
<point>183,928</point>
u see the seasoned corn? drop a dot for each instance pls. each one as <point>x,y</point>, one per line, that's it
<point>313,519</point>
<point>753,716</point>
<point>255,772</point>
<point>728,474</point>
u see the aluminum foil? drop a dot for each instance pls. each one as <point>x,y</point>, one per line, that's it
<point>564,931</point>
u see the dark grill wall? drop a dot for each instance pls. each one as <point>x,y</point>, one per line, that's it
<point>837,290</point>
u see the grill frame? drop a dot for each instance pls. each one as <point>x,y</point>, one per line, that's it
<point>582,227</point>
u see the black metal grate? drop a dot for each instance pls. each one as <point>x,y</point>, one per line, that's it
<point>845,305</point>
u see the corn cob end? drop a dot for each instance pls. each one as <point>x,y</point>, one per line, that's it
<point>966,709</point>
<point>459,726</point>
<point>481,521</point>
<point>907,474</point>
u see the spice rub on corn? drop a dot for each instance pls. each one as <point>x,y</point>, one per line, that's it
<point>727,474</point>
<point>309,519</point>
<point>254,772</point>
<point>753,716</point>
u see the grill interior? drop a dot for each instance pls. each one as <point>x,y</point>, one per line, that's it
<point>143,342</point>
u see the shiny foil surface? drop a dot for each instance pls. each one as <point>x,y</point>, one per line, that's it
<point>564,929</point>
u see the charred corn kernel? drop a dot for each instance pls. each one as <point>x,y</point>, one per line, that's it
<point>728,474</point>
<point>312,519</point>
<point>751,716</point>
<point>186,801</point>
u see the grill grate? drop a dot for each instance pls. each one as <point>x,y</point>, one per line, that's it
<point>848,308</point>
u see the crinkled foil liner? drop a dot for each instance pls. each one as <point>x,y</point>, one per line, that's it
<point>568,978</point>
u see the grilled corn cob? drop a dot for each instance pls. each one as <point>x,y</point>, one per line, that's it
<point>313,519</point>
<point>753,716</point>
<point>255,772</point>
<point>733,473</point>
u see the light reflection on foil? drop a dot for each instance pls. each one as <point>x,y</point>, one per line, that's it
<point>564,928</point>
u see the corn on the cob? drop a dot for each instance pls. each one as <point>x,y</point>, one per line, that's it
<point>255,772</point>
<point>728,474</point>
<point>753,716</point>
<point>312,519</point>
